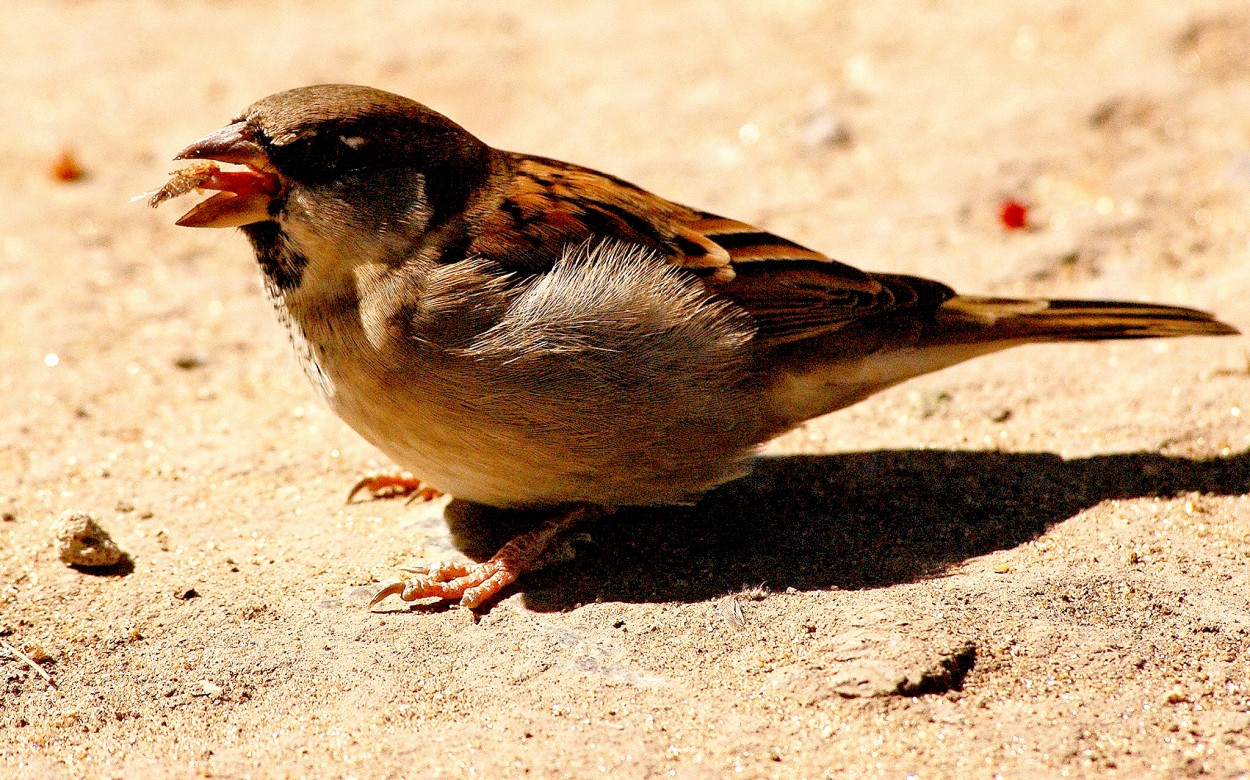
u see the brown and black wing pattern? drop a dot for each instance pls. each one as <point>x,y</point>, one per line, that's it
<point>796,293</point>
<point>791,292</point>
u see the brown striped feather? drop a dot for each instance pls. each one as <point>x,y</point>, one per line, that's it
<point>791,291</point>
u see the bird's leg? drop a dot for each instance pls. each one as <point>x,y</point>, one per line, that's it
<point>474,583</point>
<point>393,486</point>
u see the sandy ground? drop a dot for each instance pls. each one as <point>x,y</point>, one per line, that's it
<point>1034,565</point>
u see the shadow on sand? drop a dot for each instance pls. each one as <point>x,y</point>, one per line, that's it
<point>850,521</point>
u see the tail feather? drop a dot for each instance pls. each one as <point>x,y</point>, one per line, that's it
<point>973,319</point>
<point>963,327</point>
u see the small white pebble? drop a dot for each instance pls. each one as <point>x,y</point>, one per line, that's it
<point>210,689</point>
<point>749,134</point>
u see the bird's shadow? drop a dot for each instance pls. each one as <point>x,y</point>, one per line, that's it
<point>850,521</point>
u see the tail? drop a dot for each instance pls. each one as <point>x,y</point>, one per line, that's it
<point>964,327</point>
<point>968,319</point>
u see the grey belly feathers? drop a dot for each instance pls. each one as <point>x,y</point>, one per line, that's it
<point>656,398</point>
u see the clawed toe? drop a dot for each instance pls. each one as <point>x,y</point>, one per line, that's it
<point>389,589</point>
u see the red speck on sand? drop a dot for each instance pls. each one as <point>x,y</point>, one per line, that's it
<point>1014,215</point>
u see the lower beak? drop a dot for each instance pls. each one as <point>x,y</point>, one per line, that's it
<point>228,209</point>
<point>244,196</point>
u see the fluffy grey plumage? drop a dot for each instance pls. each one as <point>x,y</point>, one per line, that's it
<point>611,379</point>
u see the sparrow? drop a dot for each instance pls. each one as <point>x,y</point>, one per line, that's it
<point>522,332</point>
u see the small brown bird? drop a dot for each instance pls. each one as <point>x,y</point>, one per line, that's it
<point>523,332</point>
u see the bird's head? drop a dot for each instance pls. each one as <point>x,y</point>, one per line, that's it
<point>336,172</point>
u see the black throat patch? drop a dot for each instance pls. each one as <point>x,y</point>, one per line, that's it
<point>282,264</point>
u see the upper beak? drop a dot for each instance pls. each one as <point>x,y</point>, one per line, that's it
<point>231,144</point>
<point>245,196</point>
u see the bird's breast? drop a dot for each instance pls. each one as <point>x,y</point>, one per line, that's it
<point>615,383</point>
<point>307,351</point>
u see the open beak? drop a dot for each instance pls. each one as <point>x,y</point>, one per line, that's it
<point>244,196</point>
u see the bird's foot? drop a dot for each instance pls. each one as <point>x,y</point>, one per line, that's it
<point>471,583</point>
<point>475,583</point>
<point>393,486</point>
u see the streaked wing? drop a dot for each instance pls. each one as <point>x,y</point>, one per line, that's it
<point>791,291</point>
<point>795,293</point>
<point>547,203</point>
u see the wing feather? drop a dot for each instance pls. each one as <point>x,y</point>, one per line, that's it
<point>790,291</point>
